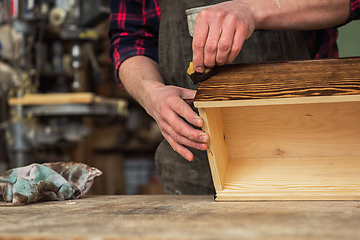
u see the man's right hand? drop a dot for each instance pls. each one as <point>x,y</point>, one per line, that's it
<point>168,107</point>
<point>166,104</point>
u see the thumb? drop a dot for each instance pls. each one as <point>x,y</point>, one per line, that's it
<point>187,94</point>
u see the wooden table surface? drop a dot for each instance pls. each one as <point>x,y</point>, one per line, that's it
<point>179,217</point>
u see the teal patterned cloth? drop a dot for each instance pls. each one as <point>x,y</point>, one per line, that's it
<point>48,181</point>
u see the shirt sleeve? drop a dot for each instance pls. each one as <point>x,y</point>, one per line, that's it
<point>355,10</point>
<point>133,30</point>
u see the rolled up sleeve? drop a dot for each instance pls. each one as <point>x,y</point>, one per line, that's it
<point>133,30</point>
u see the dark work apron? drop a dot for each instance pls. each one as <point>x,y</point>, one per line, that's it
<point>175,52</point>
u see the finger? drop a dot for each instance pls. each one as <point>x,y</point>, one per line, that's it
<point>183,151</point>
<point>187,93</point>
<point>166,128</point>
<point>184,110</point>
<point>224,45</point>
<point>187,111</point>
<point>211,45</point>
<point>239,38</point>
<point>177,145</point>
<point>201,31</point>
<point>183,129</point>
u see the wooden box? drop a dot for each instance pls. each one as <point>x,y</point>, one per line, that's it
<point>284,131</point>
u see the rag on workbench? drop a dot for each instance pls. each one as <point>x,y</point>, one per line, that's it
<point>48,181</point>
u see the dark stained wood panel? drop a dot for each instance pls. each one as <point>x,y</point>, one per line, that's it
<point>330,77</point>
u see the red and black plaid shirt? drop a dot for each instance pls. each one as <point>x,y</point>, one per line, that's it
<point>134,29</point>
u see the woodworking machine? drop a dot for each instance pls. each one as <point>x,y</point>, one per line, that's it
<point>22,27</point>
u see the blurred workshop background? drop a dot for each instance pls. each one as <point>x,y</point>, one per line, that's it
<point>59,100</point>
<point>349,40</point>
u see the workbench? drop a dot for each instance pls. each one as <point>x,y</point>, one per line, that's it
<point>179,217</point>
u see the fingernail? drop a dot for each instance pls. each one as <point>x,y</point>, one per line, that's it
<point>202,146</point>
<point>197,122</point>
<point>188,157</point>
<point>203,138</point>
<point>199,69</point>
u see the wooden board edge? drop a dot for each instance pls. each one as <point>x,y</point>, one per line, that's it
<point>304,196</point>
<point>277,101</point>
<point>52,98</point>
<point>218,152</point>
<point>218,184</point>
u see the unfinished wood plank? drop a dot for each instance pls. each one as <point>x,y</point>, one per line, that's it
<point>286,131</point>
<point>297,79</point>
<point>277,101</point>
<point>218,153</point>
<point>336,178</point>
<point>53,98</point>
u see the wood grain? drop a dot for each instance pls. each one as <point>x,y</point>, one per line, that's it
<point>180,217</point>
<point>292,179</point>
<point>293,131</point>
<point>312,78</point>
<point>218,153</point>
